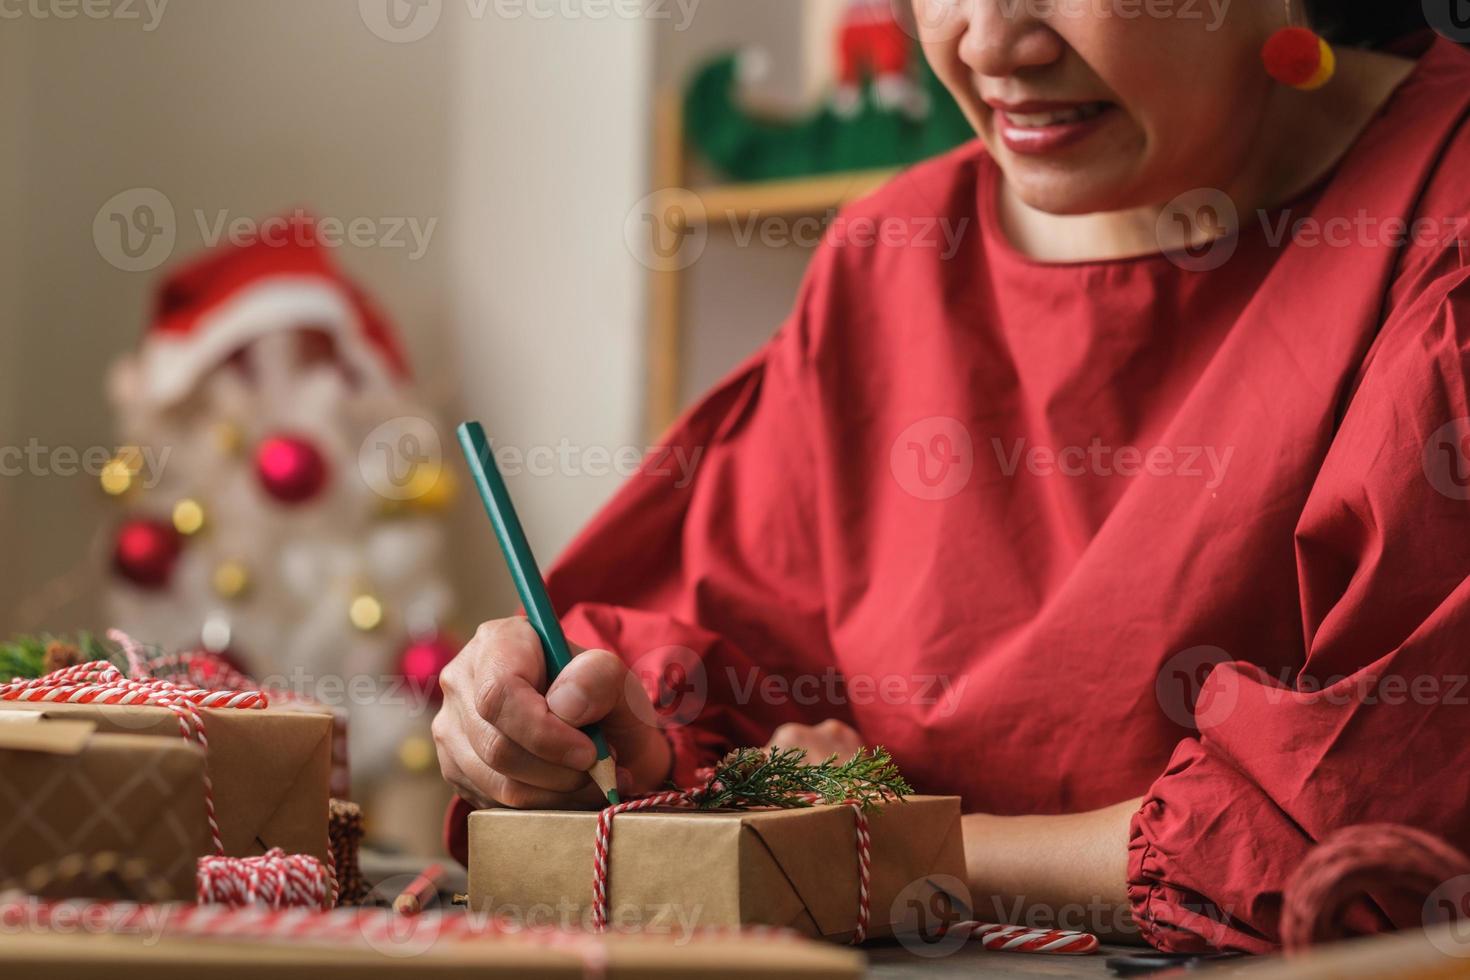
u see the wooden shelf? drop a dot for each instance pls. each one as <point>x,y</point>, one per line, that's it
<point>776,198</point>
<point>709,207</point>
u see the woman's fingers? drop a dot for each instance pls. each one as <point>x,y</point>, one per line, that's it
<point>510,705</point>
<point>502,754</point>
<point>457,778</point>
<point>829,738</point>
<point>510,792</point>
<point>589,689</point>
<point>597,687</point>
<point>499,740</point>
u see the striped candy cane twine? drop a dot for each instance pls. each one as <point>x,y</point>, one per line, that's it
<point>275,878</point>
<point>602,844</point>
<point>1022,939</point>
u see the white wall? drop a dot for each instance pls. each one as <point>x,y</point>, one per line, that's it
<point>15,74</point>
<point>549,157</point>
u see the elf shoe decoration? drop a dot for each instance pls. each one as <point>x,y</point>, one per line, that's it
<point>872,44</point>
<point>886,109</point>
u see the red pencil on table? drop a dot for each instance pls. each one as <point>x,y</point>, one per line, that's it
<point>419,891</point>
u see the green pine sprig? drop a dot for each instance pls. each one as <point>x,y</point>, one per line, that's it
<point>24,657</point>
<point>750,778</point>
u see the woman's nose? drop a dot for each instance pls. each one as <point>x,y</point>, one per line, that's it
<point>1004,37</point>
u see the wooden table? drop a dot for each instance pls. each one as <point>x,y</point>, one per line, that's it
<point>972,962</point>
<point>1437,954</point>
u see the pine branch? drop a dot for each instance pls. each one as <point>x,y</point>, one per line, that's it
<point>749,778</point>
<point>28,657</point>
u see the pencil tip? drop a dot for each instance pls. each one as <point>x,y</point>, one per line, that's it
<point>605,774</point>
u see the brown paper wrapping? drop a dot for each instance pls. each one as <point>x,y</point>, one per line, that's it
<point>66,790</point>
<point>270,769</point>
<point>85,957</point>
<point>675,869</point>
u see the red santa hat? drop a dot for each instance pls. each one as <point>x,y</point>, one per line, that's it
<point>285,280</point>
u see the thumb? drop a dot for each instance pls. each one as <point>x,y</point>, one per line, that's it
<point>598,687</point>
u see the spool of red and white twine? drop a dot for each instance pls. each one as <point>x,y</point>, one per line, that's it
<point>1000,938</point>
<point>275,879</point>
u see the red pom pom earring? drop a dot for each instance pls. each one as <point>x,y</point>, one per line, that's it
<point>1298,56</point>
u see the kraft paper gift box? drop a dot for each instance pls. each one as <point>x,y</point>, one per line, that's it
<point>32,953</point>
<point>67,790</point>
<point>270,769</point>
<point>672,869</point>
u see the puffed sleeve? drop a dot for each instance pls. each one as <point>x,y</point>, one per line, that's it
<point>1376,726</point>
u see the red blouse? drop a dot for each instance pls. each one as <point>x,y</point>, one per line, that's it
<point>1005,517</point>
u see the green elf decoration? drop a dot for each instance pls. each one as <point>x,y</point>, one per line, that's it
<point>887,110</point>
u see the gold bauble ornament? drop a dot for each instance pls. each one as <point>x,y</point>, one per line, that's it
<point>366,612</point>
<point>438,495</point>
<point>231,579</point>
<point>228,438</point>
<point>120,473</point>
<point>431,490</point>
<point>188,516</point>
<point>416,754</point>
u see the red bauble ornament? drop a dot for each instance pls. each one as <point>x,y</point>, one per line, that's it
<point>145,552</point>
<point>422,661</point>
<point>291,469</point>
<point>216,670</point>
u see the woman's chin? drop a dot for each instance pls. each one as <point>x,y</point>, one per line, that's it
<point>1066,193</point>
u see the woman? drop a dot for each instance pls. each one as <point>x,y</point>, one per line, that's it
<point>1000,507</point>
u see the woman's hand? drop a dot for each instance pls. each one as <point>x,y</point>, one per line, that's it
<point>504,739</point>
<point>830,738</point>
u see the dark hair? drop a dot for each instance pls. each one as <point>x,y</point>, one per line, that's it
<point>1366,23</point>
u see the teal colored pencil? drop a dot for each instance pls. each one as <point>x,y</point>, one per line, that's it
<point>529,585</point>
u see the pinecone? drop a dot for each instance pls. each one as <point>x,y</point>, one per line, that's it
<point>59,656</point>
<point>345,830</point>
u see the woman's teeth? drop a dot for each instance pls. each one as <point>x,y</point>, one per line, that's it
<point>1059,117</point>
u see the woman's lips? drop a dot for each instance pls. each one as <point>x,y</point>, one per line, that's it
<point>1035,128</point>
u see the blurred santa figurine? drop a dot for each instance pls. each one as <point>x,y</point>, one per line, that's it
<point>873,44</point>
<point>294,517</point>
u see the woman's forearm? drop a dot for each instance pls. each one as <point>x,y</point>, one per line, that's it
<point>1066,871</point>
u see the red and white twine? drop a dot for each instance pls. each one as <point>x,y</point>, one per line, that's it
<point>1023,939</point>
<point>274,879</point>
<point>602,848</point>
<point>1000,938</point>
